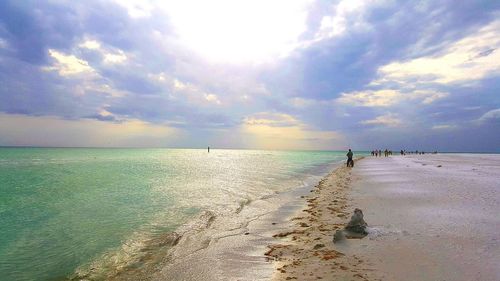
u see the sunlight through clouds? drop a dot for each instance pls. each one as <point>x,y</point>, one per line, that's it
<point>238,31</point>
<point>282,131</point>
<point>254,74</point>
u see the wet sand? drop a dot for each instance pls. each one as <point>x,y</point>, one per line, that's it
<point>232,247</point>
<point>430,217</point>
<point>304,250</point>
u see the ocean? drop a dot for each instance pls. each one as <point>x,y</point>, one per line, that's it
<point>93,213</point>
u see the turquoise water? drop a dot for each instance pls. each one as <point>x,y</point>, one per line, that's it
<point>67,210</point>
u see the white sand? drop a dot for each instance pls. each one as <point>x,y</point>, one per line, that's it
<point>429,222</point>
<point>426,222</point>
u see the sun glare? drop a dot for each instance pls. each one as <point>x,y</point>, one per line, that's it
<point>238,31</point>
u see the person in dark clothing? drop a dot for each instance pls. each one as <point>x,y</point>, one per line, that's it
<point>350,162</point>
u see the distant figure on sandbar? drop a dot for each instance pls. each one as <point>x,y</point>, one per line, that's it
<point>209,149</point>
<point>350,162</point>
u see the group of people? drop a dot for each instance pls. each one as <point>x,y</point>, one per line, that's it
<point>378,153</point>
<point>404,152</point>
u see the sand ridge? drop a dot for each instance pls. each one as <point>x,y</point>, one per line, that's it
<point>306,250</point>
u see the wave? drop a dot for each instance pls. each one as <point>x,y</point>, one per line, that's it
<point>140,254</point>
<point>146,253</point>
<point>242,205</point>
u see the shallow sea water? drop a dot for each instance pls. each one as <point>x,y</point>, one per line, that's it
<point>76,212</point>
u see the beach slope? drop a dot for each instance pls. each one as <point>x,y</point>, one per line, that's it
<point>430,217</point>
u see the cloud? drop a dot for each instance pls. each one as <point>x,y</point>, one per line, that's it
<point>301,103</point>
<point>282,131</point>
<point>137,9</point>
<point>428,96</point>
<point>472,58</point>
<point>388,97</point>
<point>54,131</point>
<point>68,64</point>
<point>370,98</point>
<point>271,119</point>
<point>444,127</point>
<point>212,98</point>
<point>491,115</point>
<point>346,15</point>
<point>389,120</point>
<point>343,63</point>
<point>108,55</point>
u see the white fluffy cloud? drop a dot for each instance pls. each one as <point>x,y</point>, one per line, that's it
<point>346,14</point>
<point>68,64</point>
<point>472,58</point>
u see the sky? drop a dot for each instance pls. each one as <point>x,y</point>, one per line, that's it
<point>259,74</point>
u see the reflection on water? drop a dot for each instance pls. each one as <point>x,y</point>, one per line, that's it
<point>103,209</point>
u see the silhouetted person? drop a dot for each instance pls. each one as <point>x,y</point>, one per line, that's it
<point>350,162</point>
<point>209,149</point>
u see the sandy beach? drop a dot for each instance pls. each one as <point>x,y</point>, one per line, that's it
<point>430,217</point>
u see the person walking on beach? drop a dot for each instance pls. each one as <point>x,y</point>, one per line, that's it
<point>350,162</point>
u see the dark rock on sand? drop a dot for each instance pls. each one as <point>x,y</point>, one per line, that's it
<point>355,229</point>
<point>357,224</point>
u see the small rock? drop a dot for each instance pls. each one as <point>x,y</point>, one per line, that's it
<point>318,246</point>
<point>338,236</point>
<point>357,224</point>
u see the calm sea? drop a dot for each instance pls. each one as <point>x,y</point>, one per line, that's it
<point>75,212</point>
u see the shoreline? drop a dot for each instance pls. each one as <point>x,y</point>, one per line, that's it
<point>235,233</point>
<point>305,249</point>
<point>430,217</point>
<point>233,247</point>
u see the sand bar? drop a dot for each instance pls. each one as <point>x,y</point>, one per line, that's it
<point>431,217</point>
